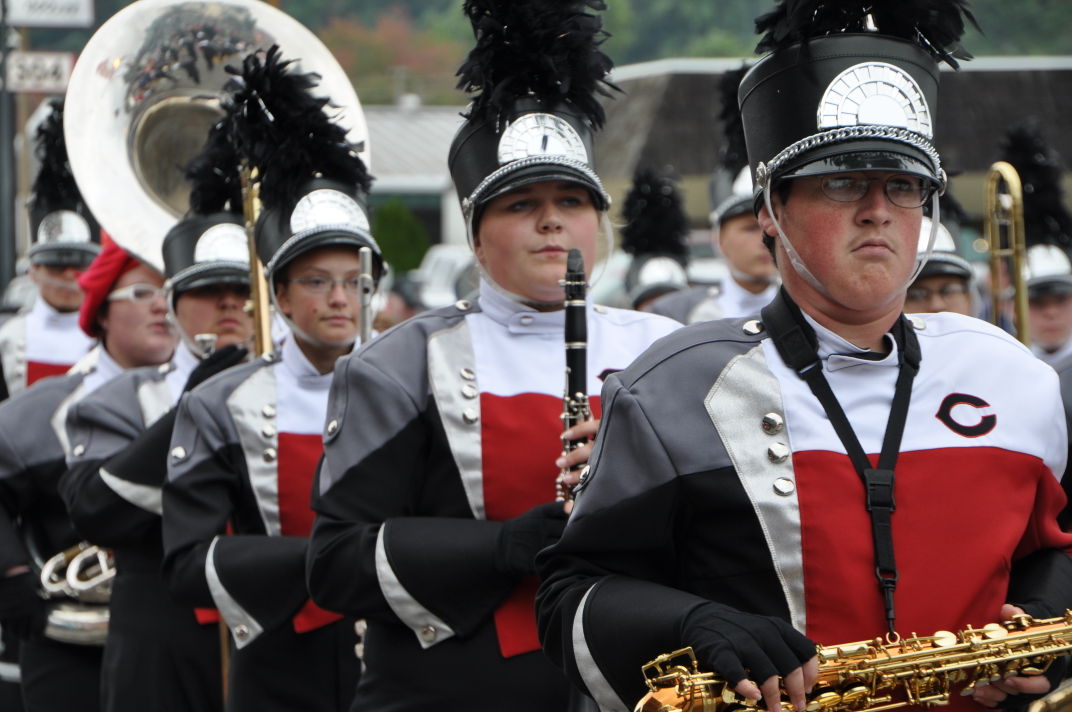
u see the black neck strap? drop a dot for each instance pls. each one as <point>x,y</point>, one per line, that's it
<point>797,345</point>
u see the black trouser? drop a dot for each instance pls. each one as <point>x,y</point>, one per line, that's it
<point>157,656</point>
<point>282,670</point>
<point>58,677</point>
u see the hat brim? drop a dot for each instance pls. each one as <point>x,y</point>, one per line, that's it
<point>303,244</point>
<point>1049,286</point>
<point>862,155</point>
<point>940,265</point>
<point>208,275</point>
<point>541,172</point>
<point>64,255</point>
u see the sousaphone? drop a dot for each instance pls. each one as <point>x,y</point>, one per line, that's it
<point>147,88</point>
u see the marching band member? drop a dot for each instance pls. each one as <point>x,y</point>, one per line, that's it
<point>1048,234</point>
<point>158,655</point>
<point>752,279</point>
<point>245,444</point>
<point>45,340</point>
<point>944,279</point>
<point>438,480</point>
<point>725,507</point>
<point>655,233</point>
<point>125,310</point>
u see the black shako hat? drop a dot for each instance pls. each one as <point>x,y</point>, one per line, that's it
<point>848,86</point>
<point>202,250</point>
<point>63,230</point>
<point>313,184</point>
<point>536,69</point>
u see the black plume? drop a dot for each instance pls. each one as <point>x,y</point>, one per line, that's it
<point>732,155</point>
<point>54,187</point>
<point>214,175</point>
<point>1046,219</point>
<point>655,222</point>
<point>276,124</point>
<point>936,25</point>
<point>546,49</point>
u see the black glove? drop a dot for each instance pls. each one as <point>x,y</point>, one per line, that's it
<point>216,362</point>
<point>737,645</point>
<point>523,536</point>
<point>22,611</point>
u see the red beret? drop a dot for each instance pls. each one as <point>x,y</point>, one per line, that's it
<point>99,279</point>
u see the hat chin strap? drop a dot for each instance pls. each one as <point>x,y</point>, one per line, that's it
<point>802,269</point>
<point>199,345</point>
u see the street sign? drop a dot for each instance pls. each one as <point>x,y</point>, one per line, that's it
<point>39,72</point>
<point>49,13</point>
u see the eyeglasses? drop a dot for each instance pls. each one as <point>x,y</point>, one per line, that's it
<point>140,293</point>
<point>904,191</point>
<point>923,294</point>
<point>323,285</point>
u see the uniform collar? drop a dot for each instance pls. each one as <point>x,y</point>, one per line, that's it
<point>47,314</point>
<point>745,303</point>
<point>299,367</point>
<point>1054,357</point>
<point>837,353</point>
<point>518,318</point>
<point>104,369</point>
<point>184,361</point>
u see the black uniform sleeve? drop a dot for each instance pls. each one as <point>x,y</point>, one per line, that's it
<point>613,569</point>
<point>116,502</point>
<point>374,553</point>
<point>253,579</point>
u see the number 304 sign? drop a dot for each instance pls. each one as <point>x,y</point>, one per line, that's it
<point>39,72</point>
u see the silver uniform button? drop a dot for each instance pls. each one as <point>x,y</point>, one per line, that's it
<point>784,486</point>
<point>268,411</point>
<point>268,357</point>
<point>462,305</point>
<point>773,423</point>
<point>268,432</point>
<point>79,450</point>
<point>163,368</point>
<point>470,416</point>
<point>469,391</point>
<point>468,374</point>
<point>599,309</point>
<point>178,452</point>
<point>752,327</point>
<point>332,427</point>
<point>917,323</point>
<point>526,320</point>
<point>429,633</point>
<point>778,453</point>
<point>241,631</point>
<point>269,454</point>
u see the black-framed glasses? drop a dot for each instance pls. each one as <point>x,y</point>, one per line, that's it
<point>323,285</point>
<point>922,294</point>
<point>140,293</point>
<point>903,190</point>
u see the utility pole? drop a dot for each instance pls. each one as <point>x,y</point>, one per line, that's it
<point>7,159</point>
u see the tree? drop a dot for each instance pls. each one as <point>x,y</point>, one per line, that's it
<point>400,234</point>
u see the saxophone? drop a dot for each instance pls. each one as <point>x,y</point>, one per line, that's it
<point>875,675</point>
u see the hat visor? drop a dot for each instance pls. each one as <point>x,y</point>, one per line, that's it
<point>330,237</point>
<point>79,256</point>
<point>861,155</point>
<point>1049,286</point>
<point>210,276</point>
<point>941,266</point>
<point>542,172</point>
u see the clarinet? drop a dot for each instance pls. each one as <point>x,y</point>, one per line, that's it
<point>575,407</point>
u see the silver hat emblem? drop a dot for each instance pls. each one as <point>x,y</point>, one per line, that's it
<point>327,208</point>
<point>875,93</point>
<point>225,242</point>
<point>540,134</point>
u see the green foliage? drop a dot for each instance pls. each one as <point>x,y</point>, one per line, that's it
<point>401,236</point>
